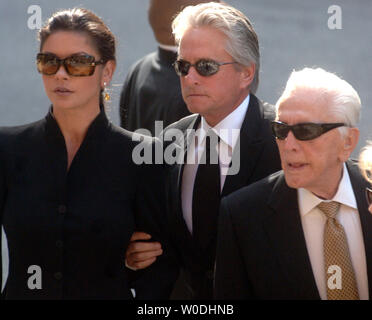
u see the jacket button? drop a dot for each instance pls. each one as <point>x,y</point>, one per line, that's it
<point>62,209</point>
<point>59,244</point>
<point>58,275</point>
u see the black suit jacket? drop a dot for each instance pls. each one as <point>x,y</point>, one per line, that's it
<point>262,252</point>
<point>76,224</point>
<point>258,158</point>
<point>152,92</point>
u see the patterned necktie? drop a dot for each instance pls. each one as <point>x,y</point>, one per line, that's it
<point>336,253</point>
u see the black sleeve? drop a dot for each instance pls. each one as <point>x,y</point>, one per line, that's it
<point>2,201</point>
<point>156,281</point>
<point>230,276</point>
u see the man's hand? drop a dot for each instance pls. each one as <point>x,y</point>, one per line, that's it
<point>140,254</point>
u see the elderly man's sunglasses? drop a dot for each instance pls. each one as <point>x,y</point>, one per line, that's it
<point>204,67</point>
<point>302,131</point>
<point>369,196</point>
<point>77,65</point>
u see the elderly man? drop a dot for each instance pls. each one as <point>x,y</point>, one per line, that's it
<point>304,232</point>
<point>218,64</point>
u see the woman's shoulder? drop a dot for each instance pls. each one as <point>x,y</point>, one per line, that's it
<point>133,138</point>
<point>12,134</point>
<point>143,149</point>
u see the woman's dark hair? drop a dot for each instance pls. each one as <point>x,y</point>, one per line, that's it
<point>84,21</point>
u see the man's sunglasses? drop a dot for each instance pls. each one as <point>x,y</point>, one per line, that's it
<point>302,131</point>
<point>77,65</point>
<point>369,196</point>
<point>204,67</point>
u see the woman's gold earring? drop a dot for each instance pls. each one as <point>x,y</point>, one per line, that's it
<point>106,95</point>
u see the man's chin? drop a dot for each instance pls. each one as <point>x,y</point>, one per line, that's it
<point>293,182</point>
<point>195,108</point>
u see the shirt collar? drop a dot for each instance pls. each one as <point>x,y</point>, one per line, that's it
<point>224,128</point>
<point>344,195</point>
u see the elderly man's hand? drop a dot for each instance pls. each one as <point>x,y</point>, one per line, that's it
<point>141,254</point>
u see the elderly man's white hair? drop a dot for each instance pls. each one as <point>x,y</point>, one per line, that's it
<point>242,42</point>
<point>344,100</point>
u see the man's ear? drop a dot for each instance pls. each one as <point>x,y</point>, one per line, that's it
<point>247,75</point>
<point>350,141</point>
<point>108,72</point>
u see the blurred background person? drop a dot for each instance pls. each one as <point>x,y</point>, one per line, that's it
<point>365,165</point>
<point>151,91</point>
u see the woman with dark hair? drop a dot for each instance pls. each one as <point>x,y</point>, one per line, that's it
<point>70,193</point>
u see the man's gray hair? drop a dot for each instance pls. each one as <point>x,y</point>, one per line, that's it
<point>242,42</point>
<point>344,100</point>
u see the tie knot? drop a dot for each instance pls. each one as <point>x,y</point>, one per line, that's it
<point>330,209</point>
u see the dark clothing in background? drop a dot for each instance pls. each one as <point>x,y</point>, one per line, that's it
<point>152,92</point>
<point>76,224</point>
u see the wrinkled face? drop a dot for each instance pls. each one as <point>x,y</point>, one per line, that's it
<point>315,165</point>
<point>214,97</point>
<point>63,90</point>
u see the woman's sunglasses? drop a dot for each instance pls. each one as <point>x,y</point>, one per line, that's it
<point>77,65</point>
<point>302,131</point>
<point>369,196</point>
<point>204,67</point>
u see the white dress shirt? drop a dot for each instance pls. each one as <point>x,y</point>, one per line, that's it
<point>313,222</point>
<point>228,130</point>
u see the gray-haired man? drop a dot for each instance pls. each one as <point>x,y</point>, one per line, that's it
<point>304,232</point>
<point>218,64</point>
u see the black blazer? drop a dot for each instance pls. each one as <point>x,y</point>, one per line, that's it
<point>259,157</point>
<point>76,225</point>
<point>151,92</point>
<point>261,252</point>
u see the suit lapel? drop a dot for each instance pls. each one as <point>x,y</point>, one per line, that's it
<point>359,184</point>
<point>248,147</point>
<point>284,229</point>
